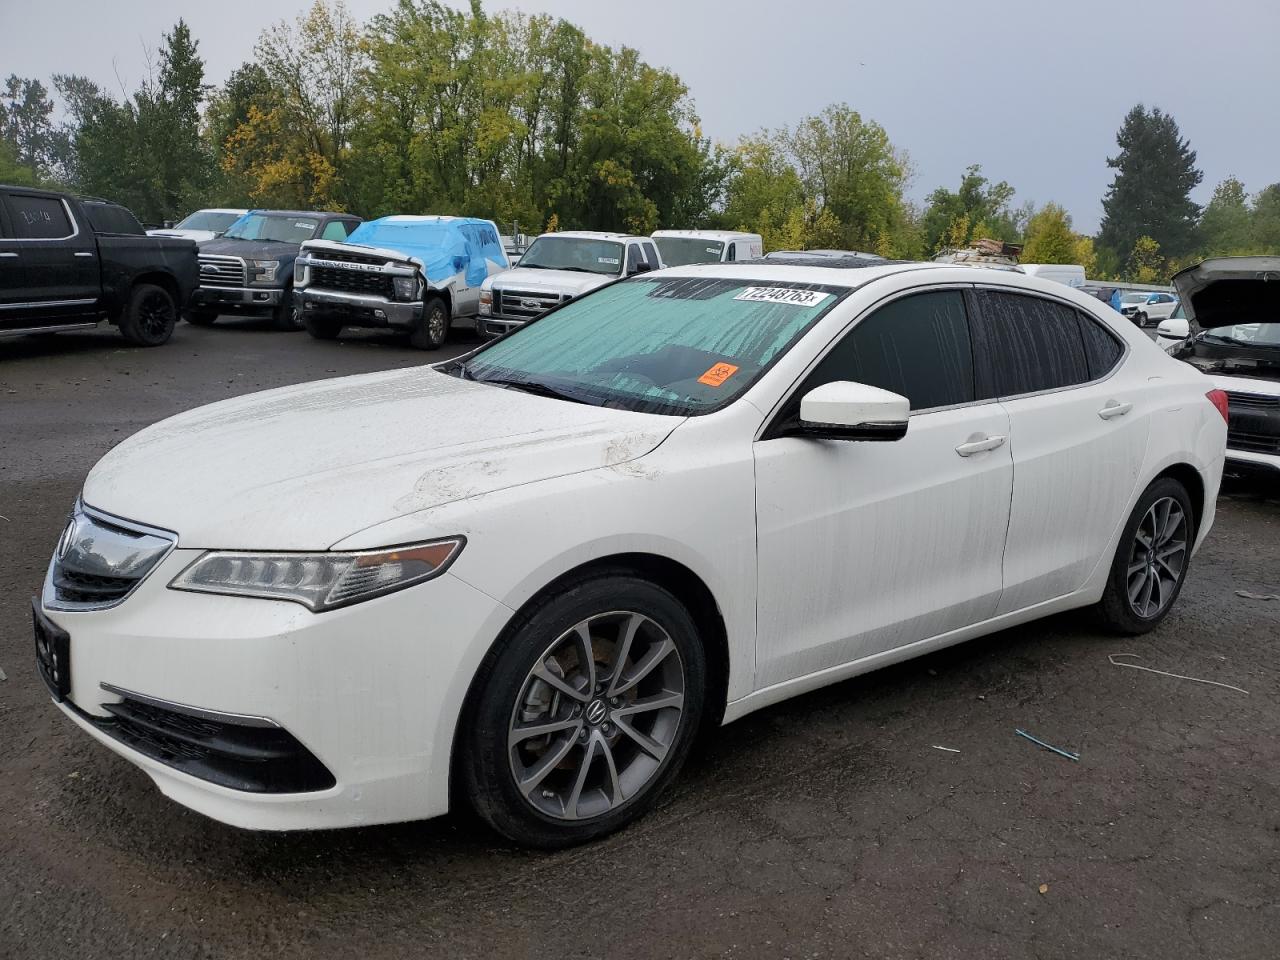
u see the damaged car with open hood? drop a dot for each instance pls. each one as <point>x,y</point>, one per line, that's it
<point>1232,309</point>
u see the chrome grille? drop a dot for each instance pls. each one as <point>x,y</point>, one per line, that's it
<point>523,304</point>
<point>219,271</point>
<point>343,257</point>
<point>100,560</point>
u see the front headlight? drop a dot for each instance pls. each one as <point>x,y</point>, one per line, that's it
<point>319,581</point>
<point>299,271</point>
<point>263,270</point>
<point>405,288</point>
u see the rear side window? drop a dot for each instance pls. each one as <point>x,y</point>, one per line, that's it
<point>917,347</point>
<point>1102,350</point>
<point>336,230</point>
<point>112,218</point>
<point>38,218</point>
<point>651,254</point>
<point>1026,344</point>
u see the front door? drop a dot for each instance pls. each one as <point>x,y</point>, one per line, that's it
<point>867,546</point>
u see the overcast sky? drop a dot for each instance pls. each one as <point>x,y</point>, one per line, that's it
<point>1032,90</point>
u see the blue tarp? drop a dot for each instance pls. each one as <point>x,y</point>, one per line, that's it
<point>444,246</point>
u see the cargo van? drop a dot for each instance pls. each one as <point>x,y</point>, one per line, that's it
<point>681,247</point>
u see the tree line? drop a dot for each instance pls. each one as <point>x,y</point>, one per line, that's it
<point>428,109</point>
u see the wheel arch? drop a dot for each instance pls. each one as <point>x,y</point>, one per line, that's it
<point>682,582</point>
<point>1190,478</point>
<point>155,277</point>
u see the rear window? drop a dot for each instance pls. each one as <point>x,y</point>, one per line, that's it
<point>38,218</point>
<point>679,251</point>
<point>112,218</point>
<point>1028,344</point>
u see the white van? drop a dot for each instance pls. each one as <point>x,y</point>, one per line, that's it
<point>1072,274</point>
<point>681,247</point>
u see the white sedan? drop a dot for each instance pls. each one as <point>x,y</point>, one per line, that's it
<point>526,578</point>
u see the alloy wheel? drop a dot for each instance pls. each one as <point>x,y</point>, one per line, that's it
<point>596,716</point>
<point>156,314</point>
<point>1157,558</point>
<point>436,325</point>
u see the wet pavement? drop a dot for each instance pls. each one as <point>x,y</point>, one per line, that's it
<point>828,826</point>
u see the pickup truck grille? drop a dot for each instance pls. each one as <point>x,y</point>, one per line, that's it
<point>351,281</point>
<point>217,271</point>
<point>342,257</point>
<point>523,304</point>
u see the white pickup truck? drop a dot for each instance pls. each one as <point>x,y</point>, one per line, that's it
<point>559,267</point>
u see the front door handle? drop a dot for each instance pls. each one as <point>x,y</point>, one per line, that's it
<point>7,255</point>
<point>979,443</point>
<point>83,253</point>
<point>1114,409</point>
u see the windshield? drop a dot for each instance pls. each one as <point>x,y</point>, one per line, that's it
<point>273,226</point>
<point>679,251</point>
<point>208,220</point>
<point>1178,312</point>
<point>1246,335</point>
<point>582,254</point>
<point>681,345</point>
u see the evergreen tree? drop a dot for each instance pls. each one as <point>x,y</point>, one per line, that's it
<point>25,125</point>
<point>1151,193</point>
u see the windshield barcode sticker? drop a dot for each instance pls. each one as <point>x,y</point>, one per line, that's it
<point>612,261</point>
<point>789,295</point>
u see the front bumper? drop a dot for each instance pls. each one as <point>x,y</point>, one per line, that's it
<point>371,692</point>
<point>497,326</point>
<point>236,299</point>
<point>1249,463</point>
<point>359,310</point>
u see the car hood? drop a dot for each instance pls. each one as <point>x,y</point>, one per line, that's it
<point>251,249</point>
<point>302,467</point>
<point>551,281</point>
<point>1228,290</point>
<point>199,236</point>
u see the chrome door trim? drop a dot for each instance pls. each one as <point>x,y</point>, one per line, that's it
<point>37,304</point>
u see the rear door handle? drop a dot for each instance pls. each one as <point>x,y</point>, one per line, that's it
<point>82,253</point>
<point>979,443</point>
<point>14,255</point>
<point>1114,409</point>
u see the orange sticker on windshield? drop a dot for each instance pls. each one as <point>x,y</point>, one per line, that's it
<point>718,374</point>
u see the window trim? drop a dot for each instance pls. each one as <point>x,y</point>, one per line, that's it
<point>71,218</point>
<point>773,420</point>
<point>976,311</point>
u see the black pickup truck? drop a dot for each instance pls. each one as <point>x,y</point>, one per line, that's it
<point>68,263</point>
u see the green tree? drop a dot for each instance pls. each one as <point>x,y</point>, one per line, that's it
<point>1227,222</point>
<point>1151,193</point>
<point>26,125</point>
<point>981,203</point>
<point>1049,237</point>
<point>1146,263</point>
<point>1265,232</point>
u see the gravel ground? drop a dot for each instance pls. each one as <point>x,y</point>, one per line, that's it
<point>827,826</point>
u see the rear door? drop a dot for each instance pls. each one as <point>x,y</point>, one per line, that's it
<point>1078,425</point>
<point>53,259</point>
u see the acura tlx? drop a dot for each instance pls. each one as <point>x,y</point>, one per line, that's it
<point>526,578</point>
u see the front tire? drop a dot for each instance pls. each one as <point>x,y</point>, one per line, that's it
<point>1151,561</point>
<point>1141,319</point>
<point>323,328</point>
<point>288,313</point>
<point>431,329</point>
<point>583,712</point>
<point>150,316</point>
<point>201,318</point>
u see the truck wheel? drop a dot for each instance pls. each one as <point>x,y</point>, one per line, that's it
<point>323,328</point>
<point>432,328</point>
<point>288,315</point>
<point>201,318</point>
<point>149,317</point>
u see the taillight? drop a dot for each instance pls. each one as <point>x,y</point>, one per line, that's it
<point>1219,399</point>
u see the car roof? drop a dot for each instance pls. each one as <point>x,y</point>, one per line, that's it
<point>594,235</point>
<point>304,213</point>
<point>429,218</point>
<point>709,234</point>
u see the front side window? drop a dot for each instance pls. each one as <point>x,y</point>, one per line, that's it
<point>38,218</point>
<point>581,254</point>
<point>682,346</point>
<point>681,251</point>
<point>273,227</point>
<point>916,346</point>
<point>1027,344</point>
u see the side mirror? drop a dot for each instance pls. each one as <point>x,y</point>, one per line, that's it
<point>459,263</point>
<point>1174,329</point>
<point>640,266</point>
<point>842,410</point>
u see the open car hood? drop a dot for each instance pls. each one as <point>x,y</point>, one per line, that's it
<point>1230,290</point>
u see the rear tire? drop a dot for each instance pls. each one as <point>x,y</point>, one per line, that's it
<point>288,313</point>
<point>150,316</point>
<point>201,318</point>
<point>431,329</point>
<point>323,328</point>
<point>611,749</point>
<point>1151,561</point>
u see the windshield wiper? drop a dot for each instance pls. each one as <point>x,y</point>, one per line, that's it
<point>534,387</point>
